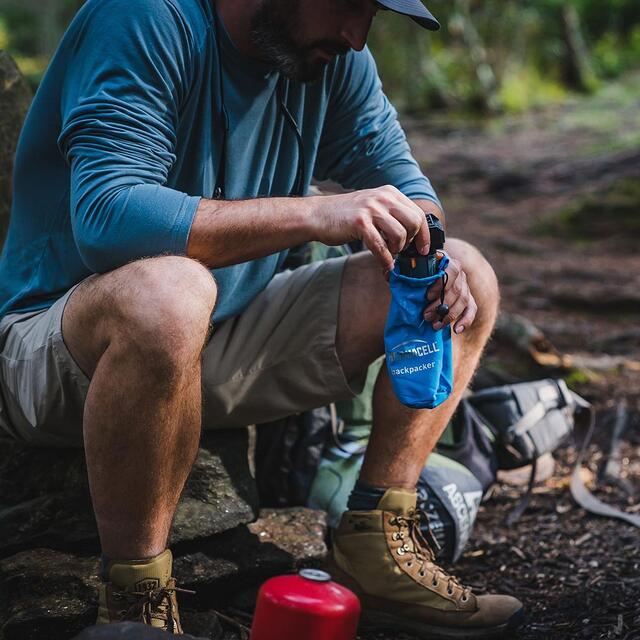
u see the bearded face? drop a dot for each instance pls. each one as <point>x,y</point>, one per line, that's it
<point>276,29</point>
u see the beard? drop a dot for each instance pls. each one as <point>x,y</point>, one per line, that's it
<point>272,31</point>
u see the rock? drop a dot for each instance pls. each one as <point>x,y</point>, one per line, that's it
<point>280,541</point>
<point>44,496</point>
<point>46,594</point>
<point>60,521</point>
<point>221,492</point>
<point>15,97</point>
<point>28,473</point>
<point>44,499</point>
<point>130,631</point>
<point>202,623</point>
<point>51,595</point>
<point>297,530</point>
<point>212,579</point>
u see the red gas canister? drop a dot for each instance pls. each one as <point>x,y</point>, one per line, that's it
<point>308,606</point>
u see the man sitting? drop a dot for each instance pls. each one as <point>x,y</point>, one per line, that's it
<point>152,209</point>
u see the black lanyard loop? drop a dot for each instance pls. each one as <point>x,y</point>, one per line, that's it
<point>219,191</point>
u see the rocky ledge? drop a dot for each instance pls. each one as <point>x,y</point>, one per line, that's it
<point>224,546</point>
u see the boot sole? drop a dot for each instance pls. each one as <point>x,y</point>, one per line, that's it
<point>381,620</point>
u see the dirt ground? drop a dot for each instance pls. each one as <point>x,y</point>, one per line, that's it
<point>501,182</point>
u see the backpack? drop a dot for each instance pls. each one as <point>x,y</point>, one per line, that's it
<point>313,459</point>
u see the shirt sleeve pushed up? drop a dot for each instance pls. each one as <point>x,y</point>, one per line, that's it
<point>363,145</point>
<point>127,77</point>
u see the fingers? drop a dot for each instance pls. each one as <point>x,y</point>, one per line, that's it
<point>467,318</point>
<point>423,238</point>
<point>387,222</point>
<point>393,232</point>
<point>462,305</point>
<point>377,245</point>
<point>396,206</point>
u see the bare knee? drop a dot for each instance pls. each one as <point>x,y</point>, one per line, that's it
<point>481,277</point>
<point>157,310</point>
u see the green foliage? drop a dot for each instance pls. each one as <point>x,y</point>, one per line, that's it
<point>614,53</point>
<point>578,377</point>
<point>524,87</point>
<point>529,51</point>
<point>19,26</point>
<point>30,31</point>
<point>490,55</point>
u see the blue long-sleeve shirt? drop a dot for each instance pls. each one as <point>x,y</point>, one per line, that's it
<point>124,137</point>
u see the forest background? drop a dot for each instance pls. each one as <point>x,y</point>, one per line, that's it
<point>490,56</point>
<point>526,117</point>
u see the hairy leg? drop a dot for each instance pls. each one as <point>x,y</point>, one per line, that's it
<point>138,333</point>
<point>402,438</point>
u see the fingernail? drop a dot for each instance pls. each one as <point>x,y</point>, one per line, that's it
<point>437,326</point>
<point>460,329</point>
<point>424,249</point>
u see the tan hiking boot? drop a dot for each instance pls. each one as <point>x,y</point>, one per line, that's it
<point>141,591</point>
<point>383,557</point>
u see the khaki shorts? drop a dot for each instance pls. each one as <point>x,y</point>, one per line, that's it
<point>275,359</point>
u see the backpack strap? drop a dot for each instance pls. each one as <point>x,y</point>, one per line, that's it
<point>579,491</point>
<point>533,416</point>
<point>337,429</point>
<point>583,497</point>
<point>516,513</point>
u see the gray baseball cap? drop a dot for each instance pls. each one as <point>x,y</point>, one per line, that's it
<point>414,9</point>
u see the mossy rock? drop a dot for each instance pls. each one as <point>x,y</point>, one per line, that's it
<point>611,214</point>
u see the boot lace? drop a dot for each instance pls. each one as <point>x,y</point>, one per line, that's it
<point>424,551</point>
<point>147,606</point>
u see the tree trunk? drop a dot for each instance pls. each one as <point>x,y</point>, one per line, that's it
<point>579,72</point>
<point>487,85</point>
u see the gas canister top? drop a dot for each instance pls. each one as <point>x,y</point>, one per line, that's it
<point>315,575</point>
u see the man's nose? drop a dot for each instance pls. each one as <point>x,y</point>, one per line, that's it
<point>355,32</point>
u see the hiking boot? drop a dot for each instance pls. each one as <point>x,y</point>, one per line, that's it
<point>385,559</point>
<point>141,591</point>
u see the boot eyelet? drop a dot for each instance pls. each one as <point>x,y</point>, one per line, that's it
<point>392,520</point>
<point>464,599</point>
<point>435,583</point>
<point>410,563</point>
<point>401,551</point>
<point>422,574</point>
<point>450,592</point>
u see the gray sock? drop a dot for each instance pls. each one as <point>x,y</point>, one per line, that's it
<point>364,497</point>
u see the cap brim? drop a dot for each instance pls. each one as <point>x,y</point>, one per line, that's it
<point>414,9</point>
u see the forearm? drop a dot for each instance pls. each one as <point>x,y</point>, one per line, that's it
<point>226,232</point>
<point>229,232</point>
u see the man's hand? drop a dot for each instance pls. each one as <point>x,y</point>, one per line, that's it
<point>383,218</point>
<point>462,306</point>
